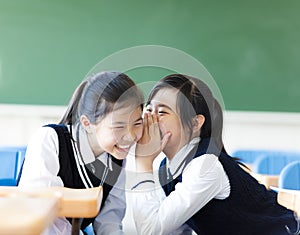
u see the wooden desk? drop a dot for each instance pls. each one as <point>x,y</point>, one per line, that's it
<point>27,212</point>
<point>289,199</point>
<point>79,203</point>
<point>30,211</point>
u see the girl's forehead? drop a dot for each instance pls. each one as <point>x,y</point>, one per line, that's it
<point>166,96</point>
<point>127,110</point>
<point>125,114</point>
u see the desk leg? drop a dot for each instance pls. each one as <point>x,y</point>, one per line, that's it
<point>76,223</point>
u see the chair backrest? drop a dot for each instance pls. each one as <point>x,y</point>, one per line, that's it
<point>8,167</point>
<point>21,158</point>
<point>11,162</point>
<point>248,156</point>
<point>289,177</point>
<point>273,162</point>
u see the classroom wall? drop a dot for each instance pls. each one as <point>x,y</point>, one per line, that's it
<point>261,130</point>
<point>242,129</point>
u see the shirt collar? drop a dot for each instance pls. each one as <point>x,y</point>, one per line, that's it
<point>86,151</point>
<point>175,165</point>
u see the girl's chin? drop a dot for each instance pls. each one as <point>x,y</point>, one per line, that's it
<point>120,154</point>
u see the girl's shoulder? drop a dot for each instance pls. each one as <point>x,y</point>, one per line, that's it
<point>203,164</point>
<point>44,134</point>
<point>47,131</point>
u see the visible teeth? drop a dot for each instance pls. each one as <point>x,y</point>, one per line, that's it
<point>123,146</point>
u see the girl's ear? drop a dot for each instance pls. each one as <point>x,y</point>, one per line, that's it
<point>198,122</point>
<point>85,122</point>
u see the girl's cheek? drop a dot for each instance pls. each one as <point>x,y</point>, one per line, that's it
<point>162,127</point>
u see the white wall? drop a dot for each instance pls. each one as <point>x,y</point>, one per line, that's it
<point>18,122</point>
<point>241,129</point>
<point>257,130</point>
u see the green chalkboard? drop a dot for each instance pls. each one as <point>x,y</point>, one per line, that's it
<point>251,48</point>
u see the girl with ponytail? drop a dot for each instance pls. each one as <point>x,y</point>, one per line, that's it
<point>87,147</point>
<point>201,188</point>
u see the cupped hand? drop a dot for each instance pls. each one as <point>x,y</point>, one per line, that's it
<point>151,142</point>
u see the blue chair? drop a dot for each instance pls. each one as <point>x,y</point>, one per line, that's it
<point>89,230</point>
<point>14,148</point>
<point>11,162</point>
<point>273,162</point>
<point>248,156</point>
<point>21,158</point>
<point>289,177</point>
<point>267,167</point>
<point>8,168</point>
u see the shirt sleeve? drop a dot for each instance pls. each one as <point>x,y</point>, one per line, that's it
<point>60,226</point>
<point>202,180</point>
<point>109,220</point>
<point>41,163</point>
<point>40,169</point>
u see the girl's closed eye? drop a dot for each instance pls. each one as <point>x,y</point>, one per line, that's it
<point>138,123</point>
<point>162,112</point>
<point>118,127</point>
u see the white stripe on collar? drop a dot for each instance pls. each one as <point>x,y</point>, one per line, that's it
<point>86,151</point>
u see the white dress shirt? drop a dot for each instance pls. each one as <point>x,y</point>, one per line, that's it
<point>202,180</point>
<point>41,167</point>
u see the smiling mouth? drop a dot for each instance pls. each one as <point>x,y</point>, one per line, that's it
<point>123,148</point>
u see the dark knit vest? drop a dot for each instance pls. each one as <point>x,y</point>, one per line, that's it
<point>69,174</point>
<point>250,209</point>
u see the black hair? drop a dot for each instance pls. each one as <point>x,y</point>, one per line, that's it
<point>195,97</point>
<point>100,94</point>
